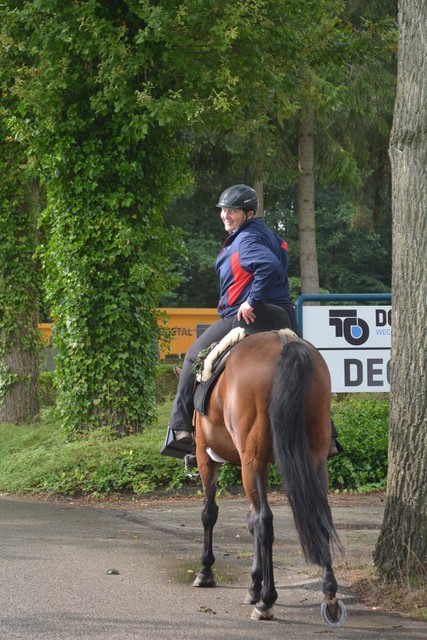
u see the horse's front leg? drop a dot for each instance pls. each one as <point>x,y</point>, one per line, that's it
<point>209,474</point>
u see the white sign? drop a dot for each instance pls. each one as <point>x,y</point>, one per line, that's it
<point>355,342</point>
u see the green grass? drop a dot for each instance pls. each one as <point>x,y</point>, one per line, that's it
<point>42,457</point>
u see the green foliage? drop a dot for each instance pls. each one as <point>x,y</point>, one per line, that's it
<point>17,240</point>
<point>104,106</point>
<point>44,458</point>
<point>165,382</point>
<point>104,96</point>
<point>346,262</point>
<point>108,162</point>
<point>362,425</point>
<point>47,394</point>
<point>47,458</point>
<point>196,272</point>
<point>343,63</point>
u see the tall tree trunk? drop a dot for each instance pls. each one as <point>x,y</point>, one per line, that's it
<point>19,336</point>
<point>20,402</point>
<point>401,551</point>
<point>306,215</point>
<point>259,188</point>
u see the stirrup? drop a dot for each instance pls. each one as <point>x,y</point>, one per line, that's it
<point>190,462</point>
<point>175,448</point>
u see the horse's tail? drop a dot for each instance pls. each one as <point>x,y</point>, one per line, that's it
<point>307,497</point>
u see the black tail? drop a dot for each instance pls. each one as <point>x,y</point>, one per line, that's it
<point>311,511</point>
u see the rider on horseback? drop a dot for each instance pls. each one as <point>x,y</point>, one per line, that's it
<point>253,270</point>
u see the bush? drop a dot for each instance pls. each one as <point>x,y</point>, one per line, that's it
<point>44,457</point>
<point>362,423</point>
<point>165,382</point>
<point>47,394</point>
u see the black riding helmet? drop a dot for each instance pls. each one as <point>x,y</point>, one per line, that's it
<point>239,196</point>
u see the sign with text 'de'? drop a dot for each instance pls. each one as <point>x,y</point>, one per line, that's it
<point>355,342</point>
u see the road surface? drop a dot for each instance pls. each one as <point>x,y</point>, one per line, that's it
<point>90,573</point>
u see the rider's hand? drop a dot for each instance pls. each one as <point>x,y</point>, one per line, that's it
<point>246,312</point>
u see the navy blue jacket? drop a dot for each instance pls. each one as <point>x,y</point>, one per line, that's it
<point>252,266</point>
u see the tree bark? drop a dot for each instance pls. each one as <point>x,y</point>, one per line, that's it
<point>19,336</point>
<point>306,214</point>
<point>401,551</point>
<point>20,402</point>
<point>259,188</point>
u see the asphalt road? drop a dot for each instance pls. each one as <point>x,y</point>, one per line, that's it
<point>70,572</point>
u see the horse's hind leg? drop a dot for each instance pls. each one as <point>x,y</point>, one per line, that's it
<point>209,474</point>
<point>332,610</point>
<point>254,592</point>
<point>260,523</point>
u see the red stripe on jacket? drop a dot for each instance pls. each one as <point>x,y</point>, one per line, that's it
<point>241,279</point>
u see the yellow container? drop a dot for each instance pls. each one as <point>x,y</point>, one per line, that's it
<point>186,325</point>
<point>45,329</point>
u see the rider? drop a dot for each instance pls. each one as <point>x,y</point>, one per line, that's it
<point>253,269</point>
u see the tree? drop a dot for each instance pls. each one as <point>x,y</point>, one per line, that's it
<point>108,105</point>
<point>401,551</point>
<point>354,255</point>
<point>19,284</point>
<point>306,213</point>
<point>106,99</point>
<point>340,110</point>
<point>334,98</point>
<point>107,160</point>
<point>333,72</point>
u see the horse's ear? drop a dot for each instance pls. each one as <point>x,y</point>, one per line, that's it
<point>176,370</point>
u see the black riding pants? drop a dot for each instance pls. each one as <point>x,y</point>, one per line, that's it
<point>183,407</point>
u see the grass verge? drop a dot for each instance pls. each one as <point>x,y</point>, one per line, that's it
<point>41,457</point>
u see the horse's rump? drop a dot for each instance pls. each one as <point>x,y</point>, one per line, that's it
<point>238,406</point>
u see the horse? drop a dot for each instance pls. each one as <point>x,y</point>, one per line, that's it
<point>271,403</point>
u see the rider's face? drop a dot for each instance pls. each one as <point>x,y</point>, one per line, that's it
<point>234,218</point>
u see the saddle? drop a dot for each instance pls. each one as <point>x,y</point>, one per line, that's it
<point>211,362</point>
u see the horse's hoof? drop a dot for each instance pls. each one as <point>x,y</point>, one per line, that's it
<point>333,613</point>
<point>204,582</point>
<point>262,614</point>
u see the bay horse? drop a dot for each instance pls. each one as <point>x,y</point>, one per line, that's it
<point>272,403</point>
